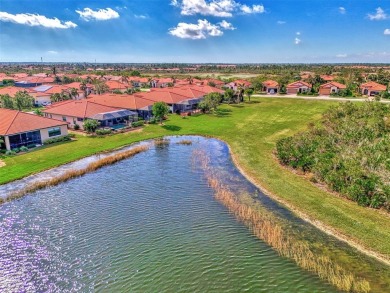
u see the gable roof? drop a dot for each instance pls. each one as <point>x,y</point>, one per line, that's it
<point>13,122</point>
<point>12,90</point>
<point>78,108</point>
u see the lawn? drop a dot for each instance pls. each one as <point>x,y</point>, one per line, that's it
<point>251,130</point>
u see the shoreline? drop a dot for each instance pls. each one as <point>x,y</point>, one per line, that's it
<point>301,214</point>
<point>316,223</point>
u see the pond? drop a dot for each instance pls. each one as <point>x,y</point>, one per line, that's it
<point>145,224</point>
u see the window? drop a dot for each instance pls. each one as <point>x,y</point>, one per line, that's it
<point>54,131</point>
<point>64,118</point>
<point>80,119</point>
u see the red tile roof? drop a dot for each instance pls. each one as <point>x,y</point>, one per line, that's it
<point>129,102</point>
<point>270,83</point>
<point>374,86</point>
<point>298,84</point>
<point>333,84</point>
<point>327,77</point>
<point>80,108</point>
<point>117,85</point>
<point>12,90</point>
<point>12,122</point>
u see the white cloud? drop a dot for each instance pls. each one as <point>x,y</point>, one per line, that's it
<point>281,22</point>
<point>226,25</point>
<point>387,31</point>
<point>254,9</point>
<point>341,55</point>
<point>36,20</point>
<point>342,10</point>
<point>297,41</point>
<point>201,30</point>
<point>102,14</point>
<point>141,16</point>
<point>218,8</point>
<point>298,33</point>
<point>52,52</point>
<point>379,15</point>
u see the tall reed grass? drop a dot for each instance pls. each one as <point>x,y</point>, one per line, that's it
<point>185,142</point>
<point>266,227</point>
<point>109,160</point>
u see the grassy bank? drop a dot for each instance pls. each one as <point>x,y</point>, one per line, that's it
<point>251,131</point>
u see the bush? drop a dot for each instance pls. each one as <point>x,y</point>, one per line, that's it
<point>137,123</point>
<point>349,151</point>
<point>16,150</point>
<point>57,139</point>
<point>101,132</point>
<point>76,127</point>
<point>10,153</point>
<point>24,149</point>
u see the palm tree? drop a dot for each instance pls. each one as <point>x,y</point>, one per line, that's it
<point>83,87</point>
<point>190,79</point>
<point>73,93</point>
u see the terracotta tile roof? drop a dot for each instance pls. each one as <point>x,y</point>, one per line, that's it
<point>78,108</point>
<point>242,81</point>
<point>327,77</point>
<point>374,86</point>
<point>114,85</point>
<point>333,84</point>
<point>12,122</point>
<point>270,83</point>
<point>298,84</point>
<point>129,102</point>
<point>12,90</point>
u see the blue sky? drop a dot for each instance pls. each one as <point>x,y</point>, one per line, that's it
<point>218,31</point>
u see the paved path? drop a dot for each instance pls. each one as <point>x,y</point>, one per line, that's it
<point>325,98</point>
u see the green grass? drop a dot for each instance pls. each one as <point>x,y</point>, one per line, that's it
<point>252,131</point>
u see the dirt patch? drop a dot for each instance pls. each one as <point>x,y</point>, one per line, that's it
<point>2,164</point>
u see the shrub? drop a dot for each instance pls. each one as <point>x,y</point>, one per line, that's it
<point>349,151</point>
<point>137,123</point>
<point>16,150</point>
<point>101,132</point>
<point>10,153</point>
<point>76,127</point>
<point>24,149</point>
<point>57,139</point>
<point>91,125</point>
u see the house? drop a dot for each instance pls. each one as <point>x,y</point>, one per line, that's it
<point>161,82</point>
<point>239,83</point>
<point>42,94</point>
<point>270,87</point>
<point>181,98</point>
<point>12,90</point>
<point>116,85</point>
<point>372,88</point>
<point>327,78</point>
<point>331,87</point>
<point>139,81</point>
<point>76,111</point>
<point>133,102</point>
<point>24,129</point>
<point>298,87</point>
<point>214,82</point>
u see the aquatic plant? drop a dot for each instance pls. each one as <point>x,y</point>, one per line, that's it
<point>266,227</point>
<point>185,142</point>
<point>109,160</point>
<point>161,142</point>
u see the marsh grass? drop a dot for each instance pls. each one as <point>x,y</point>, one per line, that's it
<point>185,142</point>
<point>68,175</point>
<point>265,226</point>
<point>161,142</point>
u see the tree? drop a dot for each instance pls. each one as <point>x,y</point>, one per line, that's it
<point>91,125</point>
<point>38,112</point>
<point>249,93</point>
<point>73,93</point>
<point>211,83</point>
<point>229,94</point>
<point>160,109</point>
<point>135,73</point>
<point>23,100</point>
<point>210,102</point>
<point>6,102</point>
<point>101,87</point>
<point>83,87</point>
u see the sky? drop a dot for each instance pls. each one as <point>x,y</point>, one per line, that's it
<point>195,31</point>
